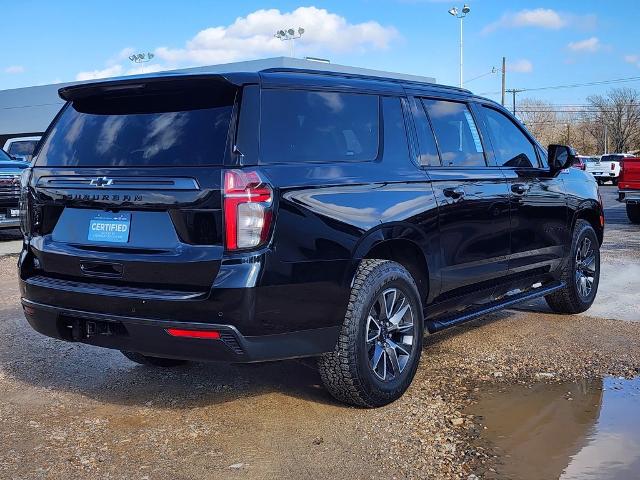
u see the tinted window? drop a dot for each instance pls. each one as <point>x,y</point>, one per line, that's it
<point>543,157</point>
<point>426,140</point>
<point>511,146</point>
<point>456,133</point>
<point>168,129</point>
<point>314,126</point>
<point>395,132</point>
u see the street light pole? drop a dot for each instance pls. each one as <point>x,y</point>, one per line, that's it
<point>141,59</point>
<point>460,15</point>
<point>461,50</point>
<point>289,34</point>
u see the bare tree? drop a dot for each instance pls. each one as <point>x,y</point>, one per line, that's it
<point>540,119</point>
<point>619,112</point>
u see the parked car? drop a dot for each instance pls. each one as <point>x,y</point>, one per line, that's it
<point>629,187</point>
<point>246,217</point>
<point>21,148</point>
<point>608,168</point>
<point>10,171</point>
<point>579,163</point>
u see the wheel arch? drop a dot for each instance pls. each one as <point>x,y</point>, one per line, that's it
<point>593,214</point>
<point>408,248</point>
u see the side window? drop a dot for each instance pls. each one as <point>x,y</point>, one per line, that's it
<point>511,146</point>
<point>395,132</point>
<point>318,126</point>
<point>543,157</point>
<point>428,149</point>
<point>456,133</point>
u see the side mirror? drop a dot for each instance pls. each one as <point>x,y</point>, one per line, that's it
<point>560,157</point>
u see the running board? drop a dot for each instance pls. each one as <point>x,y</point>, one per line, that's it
<point>467,316</point>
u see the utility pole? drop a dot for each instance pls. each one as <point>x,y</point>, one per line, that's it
<point>514,91</point>
<point>504,78</point>
<point>606,140</point>
<point>568,134</point>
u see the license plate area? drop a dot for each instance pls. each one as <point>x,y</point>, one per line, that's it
<point>110,228</point>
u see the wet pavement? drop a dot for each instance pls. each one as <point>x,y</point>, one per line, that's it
<point>588,429</point>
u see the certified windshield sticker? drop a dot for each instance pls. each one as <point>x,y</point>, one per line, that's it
<point>474,131</point>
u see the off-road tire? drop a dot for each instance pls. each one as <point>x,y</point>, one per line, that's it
<point>568,299</point>
<point>153,361</point>
<point>614,182</point>
<point>346,372</point>
<point>633,212</point>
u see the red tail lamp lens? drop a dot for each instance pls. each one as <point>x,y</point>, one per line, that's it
<point>206,334</point>
<point>247,209</point>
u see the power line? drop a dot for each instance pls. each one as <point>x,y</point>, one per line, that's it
<point>573,85</point>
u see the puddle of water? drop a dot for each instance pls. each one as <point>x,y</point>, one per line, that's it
<point>568,431</point>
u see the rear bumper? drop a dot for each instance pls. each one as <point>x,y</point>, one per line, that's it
<point>150,336</point>
<point>629,196</point>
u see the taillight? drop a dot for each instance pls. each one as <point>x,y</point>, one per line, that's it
<point>25,208</point>
<point>248,202</point>
<point>613,166</point>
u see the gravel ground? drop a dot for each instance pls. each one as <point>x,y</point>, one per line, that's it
<point>75,411</point>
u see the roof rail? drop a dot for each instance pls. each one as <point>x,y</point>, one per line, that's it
<point>361,76</point>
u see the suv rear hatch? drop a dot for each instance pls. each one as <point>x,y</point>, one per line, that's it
<point>126,187</point>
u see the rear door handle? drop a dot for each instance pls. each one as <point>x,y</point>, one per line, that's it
<point>519,188</point>
<point>456,193</point>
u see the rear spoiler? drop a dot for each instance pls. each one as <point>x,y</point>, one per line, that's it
<point>145,83</point>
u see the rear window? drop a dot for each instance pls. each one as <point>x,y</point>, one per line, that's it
<point>318,126</point>
<point>22,147</point>
<point>185,127</point>
<point>612,158</point>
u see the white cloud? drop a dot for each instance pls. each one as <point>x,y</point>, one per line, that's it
<point>112,71</point>
<point>587,45</point>
<point>633,59</point>
<point>252,37</point>
<point>14,69</point>
<point>546,18</point>
<point>539,17</point>
<point>520,66</point>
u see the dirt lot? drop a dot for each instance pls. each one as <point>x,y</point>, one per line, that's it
<point>75,411</point>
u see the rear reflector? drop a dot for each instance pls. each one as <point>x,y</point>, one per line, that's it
<point>207,334</point>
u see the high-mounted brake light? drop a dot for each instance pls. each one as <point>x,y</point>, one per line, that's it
<point>248,201</point>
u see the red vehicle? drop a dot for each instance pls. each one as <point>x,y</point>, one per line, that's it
<point>579,163</point>
<point>629,187</point>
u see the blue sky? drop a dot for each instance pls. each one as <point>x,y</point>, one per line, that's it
<point>545,42</point>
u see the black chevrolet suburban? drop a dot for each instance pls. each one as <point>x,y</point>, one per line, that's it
<point>285,213</point>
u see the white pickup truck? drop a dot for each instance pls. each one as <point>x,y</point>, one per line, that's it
<point>604,168</point>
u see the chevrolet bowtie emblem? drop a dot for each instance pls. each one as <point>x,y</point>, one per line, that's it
<point>101,182</point>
